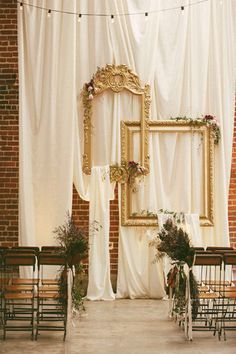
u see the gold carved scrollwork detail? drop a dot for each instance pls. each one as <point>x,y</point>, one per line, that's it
<point>118,174</point>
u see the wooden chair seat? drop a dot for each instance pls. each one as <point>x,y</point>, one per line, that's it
<point>48,295</point>
<point>217,282</point>
<point>208,295</point>
<point>49,282</point>
<point>229,294</point>
<point>49,288</point>
<point>24,281</point>
<point>19,288</point>
<point>203,288</point>
<point>18,296</point>
<point>230,288</point>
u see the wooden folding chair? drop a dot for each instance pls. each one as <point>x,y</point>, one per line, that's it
<point>210,307</point>
<point>18,299</point>
<point>229,295</point>
<point>51,303</point>
<point>27,250</point>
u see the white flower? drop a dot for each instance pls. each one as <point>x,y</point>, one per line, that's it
<point>90,88</point>
<point>90,97</point>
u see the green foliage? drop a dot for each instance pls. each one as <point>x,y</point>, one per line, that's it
<point>174,242</point>
<point>74,246</point>
<point>72,239</point>
<point>208,121</point>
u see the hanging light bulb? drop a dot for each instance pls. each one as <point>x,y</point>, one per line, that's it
<point>21,6</point>
<point>182,8</point>
<point>146,16</point>
<point>221,2</point>
<point>49,13</point>
<point>79,18</point>
<point>112,19</point>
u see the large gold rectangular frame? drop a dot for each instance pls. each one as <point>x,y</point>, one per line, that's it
<point>128,129</point>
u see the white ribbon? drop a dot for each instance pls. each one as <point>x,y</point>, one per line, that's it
<point>188,309</point>
<point>69,301</point>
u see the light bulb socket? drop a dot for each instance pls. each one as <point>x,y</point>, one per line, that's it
<point>182,8</point>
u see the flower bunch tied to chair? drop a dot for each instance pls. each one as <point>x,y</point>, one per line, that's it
<point>174,242</point>
<point>74,247</point>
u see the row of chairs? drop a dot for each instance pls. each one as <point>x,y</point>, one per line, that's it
<point>216,302</point>
<point>34,302</point>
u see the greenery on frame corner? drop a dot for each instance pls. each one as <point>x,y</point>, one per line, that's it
<point>207,120</point>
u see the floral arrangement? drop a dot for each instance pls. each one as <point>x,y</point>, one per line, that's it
<point>128,172</point>
<point>74,247</point>
<point>134,171</point>
<point>90,89</point>
<point>207,120</point>
<point>73,241</point>
<point>174,242</point>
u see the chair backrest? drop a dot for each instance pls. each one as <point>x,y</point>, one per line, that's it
<point>218,249</point>
<point>208,266</point>
<point>51,249</point>
<point>25,249</point>
<point>45,258</point>
<point>208,259</point>
<point>199,249</point>
<point>230,258</point>
<point>19,259</point>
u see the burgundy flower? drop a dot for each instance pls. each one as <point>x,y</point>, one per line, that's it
<point>208,117</point>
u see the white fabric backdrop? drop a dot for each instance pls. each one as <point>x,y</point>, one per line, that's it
<point>47,120</point>
<point>185,56</point>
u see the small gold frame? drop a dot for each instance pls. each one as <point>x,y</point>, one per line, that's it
<point>115,78</point>
<point>150,219</point>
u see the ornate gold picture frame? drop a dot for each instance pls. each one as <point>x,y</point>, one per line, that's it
<point>149,218</point>
<point>116,79</point>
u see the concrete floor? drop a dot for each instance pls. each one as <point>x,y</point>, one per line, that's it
<point>124,327</point>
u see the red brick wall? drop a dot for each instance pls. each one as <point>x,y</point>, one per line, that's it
<point>81,216</point>
<point>9,142</point>
<point>9,147</point>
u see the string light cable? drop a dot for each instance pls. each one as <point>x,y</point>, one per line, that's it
<point>79,15</point>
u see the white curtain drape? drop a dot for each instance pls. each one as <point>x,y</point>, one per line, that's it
<point>186,57</point>
<point>47,120</point>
